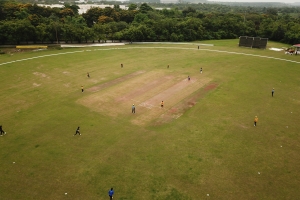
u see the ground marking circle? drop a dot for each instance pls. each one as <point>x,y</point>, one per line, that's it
<point>126,48</point>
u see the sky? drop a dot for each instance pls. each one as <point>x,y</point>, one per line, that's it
<point>282,1</point>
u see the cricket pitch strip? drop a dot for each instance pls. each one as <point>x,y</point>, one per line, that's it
<point>146,90</point>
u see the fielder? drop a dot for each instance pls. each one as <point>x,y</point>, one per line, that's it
<point>77,131</point>
<point>255,120</point>
<point>2,132</point>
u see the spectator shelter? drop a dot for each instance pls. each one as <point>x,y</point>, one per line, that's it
<point>253,42</point>
<point>297,49</point>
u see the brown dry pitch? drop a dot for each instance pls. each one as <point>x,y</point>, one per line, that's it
<point>146,89</point>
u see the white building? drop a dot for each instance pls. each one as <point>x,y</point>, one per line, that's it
<point>83,7</point>
<point>81,1</point>
<point>169,1</point>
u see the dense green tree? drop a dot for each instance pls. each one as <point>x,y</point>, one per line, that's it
<point>188,10</point>
<point>27,30</point>
<point>54,28</point>
<point>117,8</point>
<point>121,26</point>
<point>73,29</point>
<point>133,34</point>
<point>99,32</point>
<point>92,15</point>
<point>266,28</point>
<point>144,8</point>
<point>66,12</point>
<point>119,36</point>
<point>4,32</point>
<point>127,15</point>
<point>34,19</point>
<point>41,32</point>
<point>104,19</point>
<point>278,33</point>
<point>111,29</point>
<point>9,9</point>
<point>21,14</point>
<point>140,18</point>
<point>132,6</point>
<point>16,31</point>
<point>292,34</point>
<point>108,11</point>
<point>40,11</point>
<point>172,13</point>
<point>74,8</point>
<point>88,34</point>
<point>24,22</point>
<point>272,12</point>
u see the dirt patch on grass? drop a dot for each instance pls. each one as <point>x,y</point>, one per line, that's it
<point>243,126</point>
<point>211,86</point>
<point>171,96</point>
<point>114,82</point>
<point>36,84</point>
<point>179,109</point>
<point>146,90</point>
<point>168,93</point>
<point>142,89</point>
<point>41,74</point>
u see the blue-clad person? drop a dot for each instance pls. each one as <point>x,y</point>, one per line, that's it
<point>111,193</point>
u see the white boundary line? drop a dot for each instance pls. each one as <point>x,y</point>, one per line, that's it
<point>175,43</point>
<point>128,48</point>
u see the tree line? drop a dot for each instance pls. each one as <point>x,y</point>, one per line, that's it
<point>24,22</point>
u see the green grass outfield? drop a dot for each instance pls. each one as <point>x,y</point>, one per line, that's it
<point>212,151</point>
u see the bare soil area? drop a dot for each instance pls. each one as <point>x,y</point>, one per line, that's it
<point>146,90</point>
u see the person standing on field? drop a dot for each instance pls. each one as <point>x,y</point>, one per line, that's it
<point>2,132</point>
<point>162,104</point>
<point>133,108</point>
<point>189,78</point>
<point>121,65</point>
<point>88,75</point>
<point>273,92</point>
<point>255,120</point>
<point>201,70</point>
<point>82,88</point>
<point>77,131</point>
<point>111,193</point>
